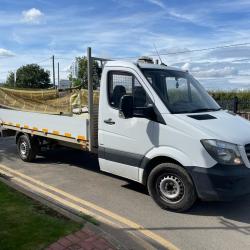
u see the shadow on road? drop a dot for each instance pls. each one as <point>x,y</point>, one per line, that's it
<point>67,156</point>
<point>238,211</point>
<point>83,160</point>
<point>232,216</point>
<point>7,149</point>
<point>70,157</point>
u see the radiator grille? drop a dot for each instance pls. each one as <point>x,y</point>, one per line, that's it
<point>247,149</point>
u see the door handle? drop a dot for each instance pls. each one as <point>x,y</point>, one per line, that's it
<point>109,121</point>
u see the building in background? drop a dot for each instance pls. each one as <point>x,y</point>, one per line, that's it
<point>64,84</point>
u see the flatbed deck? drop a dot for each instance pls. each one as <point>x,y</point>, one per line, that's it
<point>72,129</point>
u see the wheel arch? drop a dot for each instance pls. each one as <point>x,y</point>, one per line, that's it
<point>32,138</point>
<point>152,163</point>
<point>162,155</point>
<point>19,134</point>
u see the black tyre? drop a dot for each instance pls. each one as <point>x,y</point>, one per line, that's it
<point>27,148</point>
<point>171,187</point>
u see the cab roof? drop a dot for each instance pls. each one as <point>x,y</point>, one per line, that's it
<point>157,66</point>
<point>140,65</point>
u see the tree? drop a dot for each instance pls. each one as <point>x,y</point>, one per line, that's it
<point>76,82</point>
<point>32,76</point>
<point>10,82</point>
<point>82,78</point>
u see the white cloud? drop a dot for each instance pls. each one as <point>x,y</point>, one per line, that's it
<point>32,16</point>
<point>69,37</point>
<point>211,70</point>
<point>159,3</point>
<point>210,73</point>
<point>193,18</point>
<point>6,53</point>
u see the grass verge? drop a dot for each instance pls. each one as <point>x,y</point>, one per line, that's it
<point>27,225</point>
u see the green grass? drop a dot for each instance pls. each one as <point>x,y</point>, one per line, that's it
<point>27,225</point>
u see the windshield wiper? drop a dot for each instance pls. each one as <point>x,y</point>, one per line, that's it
<point>204,110</point>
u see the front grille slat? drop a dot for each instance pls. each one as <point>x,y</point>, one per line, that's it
<point>247,149</point>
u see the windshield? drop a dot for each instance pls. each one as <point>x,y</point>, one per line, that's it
<point>180,91</point>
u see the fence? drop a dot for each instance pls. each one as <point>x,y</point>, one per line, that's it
<point>46,101</point>
<point>240,107</point>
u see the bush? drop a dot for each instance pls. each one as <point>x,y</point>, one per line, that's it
<point>229,95</point>
<point>226,99</point>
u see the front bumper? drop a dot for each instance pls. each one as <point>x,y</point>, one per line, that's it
<point>221,182</point>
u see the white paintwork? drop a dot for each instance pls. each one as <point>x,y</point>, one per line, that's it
<point>129,135</point>
<point>119,169</point>
<point>75,125</point>
<point>179,139</point>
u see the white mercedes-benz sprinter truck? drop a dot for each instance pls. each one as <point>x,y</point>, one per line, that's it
<point>160,127</point>
<point>157,126</point>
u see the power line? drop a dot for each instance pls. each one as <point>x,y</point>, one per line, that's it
<point>39,62</point>
<point>65,58</point>
<point>177,52</point>
<point>205,49</point>
<point>162,54</point>
<point>44,60</point>
<point>211,62</point>
<point>189,51</point>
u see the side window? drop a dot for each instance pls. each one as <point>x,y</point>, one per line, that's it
<point>122,83</point>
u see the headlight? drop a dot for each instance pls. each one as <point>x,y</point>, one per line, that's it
<point>223,152</point>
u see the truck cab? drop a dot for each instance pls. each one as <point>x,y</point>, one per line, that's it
<point>158,126</point>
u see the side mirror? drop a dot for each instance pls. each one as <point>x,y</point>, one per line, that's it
<point>126,107</point>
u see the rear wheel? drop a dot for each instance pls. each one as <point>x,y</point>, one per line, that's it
<point>171,187</point>
<point>27,148</point>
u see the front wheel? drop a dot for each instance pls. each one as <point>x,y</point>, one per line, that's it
<point>171,187</point>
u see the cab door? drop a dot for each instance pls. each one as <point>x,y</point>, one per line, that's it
<point>123,142</point>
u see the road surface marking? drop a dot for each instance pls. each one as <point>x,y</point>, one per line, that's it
<point>104,211</point>
<point>55,197</point>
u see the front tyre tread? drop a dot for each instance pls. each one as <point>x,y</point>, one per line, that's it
<point>167,169</point>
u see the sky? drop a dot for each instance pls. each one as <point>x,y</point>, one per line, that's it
<point>32,31</point>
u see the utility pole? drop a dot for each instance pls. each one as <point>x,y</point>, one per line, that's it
<point>53,66</point>
<point>58,75</point>
<point>90,99</point>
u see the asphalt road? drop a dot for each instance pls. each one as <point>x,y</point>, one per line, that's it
<point>206,226</point>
